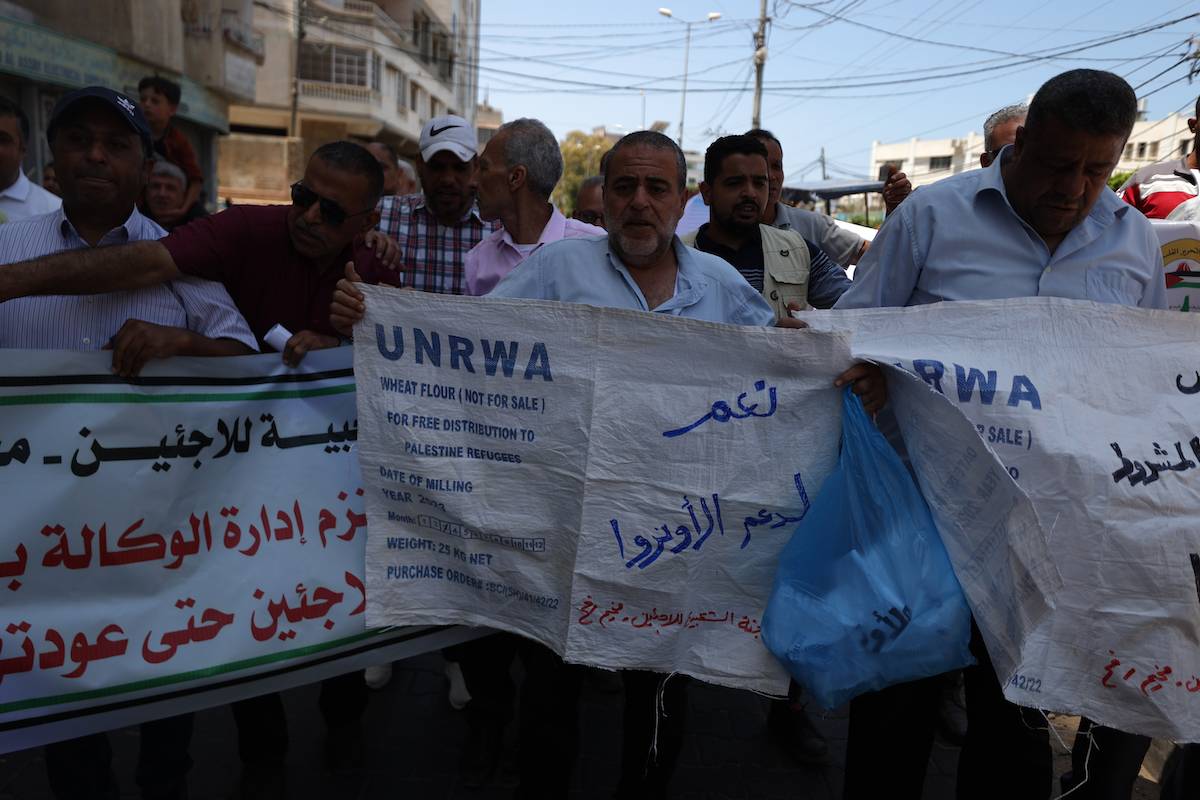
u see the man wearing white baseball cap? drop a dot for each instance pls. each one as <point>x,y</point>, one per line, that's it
<point>436,229</point>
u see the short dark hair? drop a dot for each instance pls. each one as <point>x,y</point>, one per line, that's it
<point>764,135</point>
<point>591,182</point>
<point>357,160</point>
<point>1085,100</point>
<point>607,154</point>
<point>726,146</point>
<point>391,148</point>
<point>164,86</point>
<point>10,109</point>
<point>657,141</point>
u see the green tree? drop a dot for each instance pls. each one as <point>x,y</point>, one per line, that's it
<point>1118,180</point>
<point>581,154</point>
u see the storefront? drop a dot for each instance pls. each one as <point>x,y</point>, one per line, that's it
<point>38,65</point>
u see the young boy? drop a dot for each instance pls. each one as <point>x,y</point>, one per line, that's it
<point>160,100</point>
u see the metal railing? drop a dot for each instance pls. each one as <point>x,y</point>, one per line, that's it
<point>323,90</point>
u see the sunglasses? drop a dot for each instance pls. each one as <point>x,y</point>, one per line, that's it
<point>331,213</point>
<point>589,217</point>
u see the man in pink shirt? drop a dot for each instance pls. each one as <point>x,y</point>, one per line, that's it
<point>518,171</point>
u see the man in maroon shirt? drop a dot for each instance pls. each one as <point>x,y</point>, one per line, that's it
<point>279,263</point>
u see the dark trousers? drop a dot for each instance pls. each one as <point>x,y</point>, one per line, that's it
<point>81,769</point>
<point>1006,752</point>
<point>262,723</point>
<point>655,719</point>
<point>891,734</point>
<point>549,715</point>
<point>1110,770</point>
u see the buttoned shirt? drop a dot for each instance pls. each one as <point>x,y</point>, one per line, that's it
<point>88,322</point>
<point>497,255</point>
<point>25,199</point>
<point>960,239</point>
<point>432,253</point>
<point>588,271</point>
<point>249,250</point>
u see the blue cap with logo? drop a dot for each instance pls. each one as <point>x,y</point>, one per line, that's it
<point>127,109</point>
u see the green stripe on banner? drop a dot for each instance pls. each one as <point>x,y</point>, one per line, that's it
<point>82,398</point>
<point>166,680</point>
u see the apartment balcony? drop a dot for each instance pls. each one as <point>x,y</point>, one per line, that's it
<point>361,106</point>
<point>354,99</point>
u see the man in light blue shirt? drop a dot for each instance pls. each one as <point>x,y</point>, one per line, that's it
<point>640,265</point>
<point>587,270</point>
<point>1034,223</point>
<point>1039,221</point>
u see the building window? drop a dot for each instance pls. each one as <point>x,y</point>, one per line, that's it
<point>334,65</point>
<point>939,163</point>
<point>401,90</point>
<point>350,66</point>
<point>414,95</point>
<point>376,68</point>
<point>1154,149</point>
<point>316,62</point>
<point>1141,149</point>
<point>1129,150</point>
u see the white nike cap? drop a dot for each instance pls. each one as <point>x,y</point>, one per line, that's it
<point>448,133</point>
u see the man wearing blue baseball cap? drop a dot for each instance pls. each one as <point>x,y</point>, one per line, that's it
<point>101,144</point>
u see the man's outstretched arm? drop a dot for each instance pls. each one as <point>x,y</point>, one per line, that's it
<point>92,271</point>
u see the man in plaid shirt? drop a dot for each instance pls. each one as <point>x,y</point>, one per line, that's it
<point>436,229</point>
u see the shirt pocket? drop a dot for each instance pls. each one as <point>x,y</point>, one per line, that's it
<point>1113,285</point>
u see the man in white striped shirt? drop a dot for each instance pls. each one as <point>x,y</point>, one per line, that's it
<point>99,157</point>
<point>101,142</point>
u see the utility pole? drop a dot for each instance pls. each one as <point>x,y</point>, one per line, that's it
<point>824,174</point>
<point>293,130</point>
<point>687,46</point>
<point>760,61</point>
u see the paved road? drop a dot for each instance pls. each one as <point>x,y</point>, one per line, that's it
<point>414,736</point>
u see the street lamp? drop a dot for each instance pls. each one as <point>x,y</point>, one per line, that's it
<point>687,46</point>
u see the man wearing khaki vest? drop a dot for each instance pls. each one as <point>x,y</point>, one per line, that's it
<point>792,273</point>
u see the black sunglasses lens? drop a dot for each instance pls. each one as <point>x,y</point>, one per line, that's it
<point>303,196</point>
<point>331,213</point>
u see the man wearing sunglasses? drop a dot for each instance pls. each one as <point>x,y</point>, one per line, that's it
<point>279,263</point>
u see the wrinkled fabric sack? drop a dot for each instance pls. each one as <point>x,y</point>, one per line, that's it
<point>864,595</point>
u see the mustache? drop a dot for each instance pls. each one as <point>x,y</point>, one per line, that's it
<point>84,172</point>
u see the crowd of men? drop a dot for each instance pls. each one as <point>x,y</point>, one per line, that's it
<point>129,240</point>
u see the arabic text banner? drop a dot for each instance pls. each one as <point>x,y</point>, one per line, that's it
<point>614,484</point>
<point>1093,411</point>
<point>198,534</point>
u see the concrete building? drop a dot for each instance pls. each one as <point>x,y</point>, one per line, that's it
<point>487,120</point>
<point>929,160</point>
<point>926,161</point>
<point>48,47</point>
<point>363,70</point>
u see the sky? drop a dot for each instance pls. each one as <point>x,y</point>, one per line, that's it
<point>839,73</point>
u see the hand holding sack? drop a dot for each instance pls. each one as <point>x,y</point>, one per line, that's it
<point>864,595</point>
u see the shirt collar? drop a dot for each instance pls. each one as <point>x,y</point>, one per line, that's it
<point>1106,208</point>
<point>19,190</point>
<point>690,283</point>
<point>555,229</point>
<point>473,211</point>
<point>125,232</point>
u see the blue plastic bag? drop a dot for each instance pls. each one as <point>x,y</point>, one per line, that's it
<point>865,596</point>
